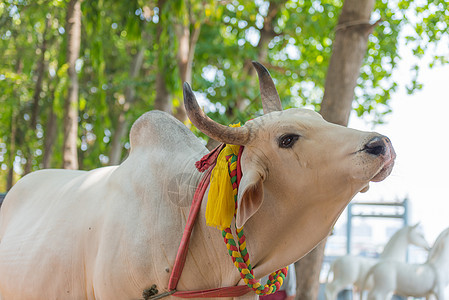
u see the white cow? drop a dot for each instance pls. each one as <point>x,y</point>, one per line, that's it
<point>416,280</point>
<point>112,232</point>
<point>351,270</point>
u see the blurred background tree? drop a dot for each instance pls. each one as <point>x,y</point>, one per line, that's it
<point>329,55</point>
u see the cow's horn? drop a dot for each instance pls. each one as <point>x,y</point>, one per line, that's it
<point>221,133</point>
<point>268,93</point>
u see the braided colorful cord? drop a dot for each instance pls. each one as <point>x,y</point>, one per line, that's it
<point>239,255</point>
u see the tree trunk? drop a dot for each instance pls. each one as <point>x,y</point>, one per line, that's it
<point>70,154</point>
<point>349,48</point>
<point>162,101</point>
<point>267,32</point>
<point>14,119</point>
<point>50,136</point>
<point>115,153</point>
<point>40,73</point>
<point>29,159</point>
<point>51,128</point>
<point>12,150</point>
<point>187,41</point>
<point>122,124</point>
<point>308,273</point>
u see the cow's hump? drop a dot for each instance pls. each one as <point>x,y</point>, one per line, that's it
<point>161,130</point>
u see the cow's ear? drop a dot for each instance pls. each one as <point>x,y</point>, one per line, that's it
<point>250,196</point>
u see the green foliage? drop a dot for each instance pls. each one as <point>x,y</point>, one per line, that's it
<point>297,52</point>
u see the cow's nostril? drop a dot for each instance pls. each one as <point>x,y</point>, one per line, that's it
<point>376,150</point>
<point>376,146</point>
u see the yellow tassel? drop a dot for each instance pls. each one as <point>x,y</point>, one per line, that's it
<point>220,202</point>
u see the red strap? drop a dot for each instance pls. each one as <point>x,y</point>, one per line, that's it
<point>205,163</point>
<point>184,246</point>
<point>232,291</point>
<point>239,167</point>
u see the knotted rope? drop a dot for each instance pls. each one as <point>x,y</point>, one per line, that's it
<point>239,255</point>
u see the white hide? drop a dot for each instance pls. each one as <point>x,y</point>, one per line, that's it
<point>97,230</point>
<point>110,233</point>
<point>351,270</point>
<point>415,280</point>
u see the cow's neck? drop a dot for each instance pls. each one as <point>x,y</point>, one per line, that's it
<point>269,239</point>
<point>278,235</point>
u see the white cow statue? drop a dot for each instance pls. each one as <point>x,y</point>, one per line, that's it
<point>113,232</point>
<point>415,280</point>
<point>351,270</point>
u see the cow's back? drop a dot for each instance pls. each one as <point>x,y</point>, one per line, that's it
<point>34,192</point>
<point>45,224</point>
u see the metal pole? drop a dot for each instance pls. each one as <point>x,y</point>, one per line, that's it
<point>348,229</point>
<point>405,204</point>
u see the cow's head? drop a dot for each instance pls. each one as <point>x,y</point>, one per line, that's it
<point>297,158</point>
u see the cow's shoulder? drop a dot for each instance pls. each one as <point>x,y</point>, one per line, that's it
<point>160,130</point>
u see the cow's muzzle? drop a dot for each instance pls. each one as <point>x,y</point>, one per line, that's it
<point>381,147</point>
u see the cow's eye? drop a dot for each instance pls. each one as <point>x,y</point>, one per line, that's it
<point>288,140</point>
